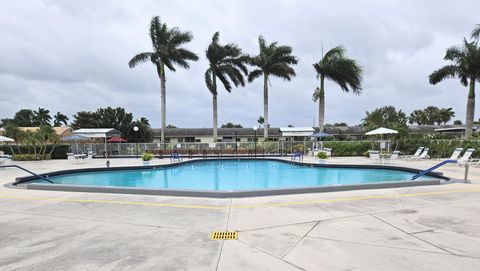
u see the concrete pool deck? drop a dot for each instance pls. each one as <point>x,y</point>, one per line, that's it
<point>410,228</point>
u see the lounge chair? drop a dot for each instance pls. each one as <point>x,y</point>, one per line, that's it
<point>327,151</point>
<point>423,155</point>
<point>466,158</point>
<point>456,153</point>
<point>416,154</point>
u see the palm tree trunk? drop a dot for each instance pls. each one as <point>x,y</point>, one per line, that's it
<point>214,107</point>
<point>470,110</point>
<point>321,105</point>
<point>265,107</point>
<point>163,99</point>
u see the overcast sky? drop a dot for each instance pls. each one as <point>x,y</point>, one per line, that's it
<point>70,56</point>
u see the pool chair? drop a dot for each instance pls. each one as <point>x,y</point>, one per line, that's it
<point>456,153</point>
<point>374,155</point>
<point>416,154</point>
<point>466,158</point>
<point>423,155</point>
<point>395,156</point>
<point>327,151</point>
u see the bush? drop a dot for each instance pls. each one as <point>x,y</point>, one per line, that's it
<point>438,148</point>
<point>348,148</point>
<point>30,157</point>
<point>60,151</point>
<point>147,156</point>
<point>322,155</point>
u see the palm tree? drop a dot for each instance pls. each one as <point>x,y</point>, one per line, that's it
<point>346,72</point>
<point>476,32</point>
<point>42,117</point>
<point>446,114</point>
<point>227,63</point>
<point>167,52</point>
<point>466,66</point>
<point>273,60</point>
<point>60,118</point>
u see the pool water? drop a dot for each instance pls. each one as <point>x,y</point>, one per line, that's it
<point>234,175</point>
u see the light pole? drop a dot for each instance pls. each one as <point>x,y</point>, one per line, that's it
<point>135,129</point>
<point>255,139</point>
<point>236,143</point>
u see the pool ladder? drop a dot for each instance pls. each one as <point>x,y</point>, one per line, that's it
<point>430,169</point>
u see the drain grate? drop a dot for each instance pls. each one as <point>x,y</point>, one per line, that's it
<point>224,235</point>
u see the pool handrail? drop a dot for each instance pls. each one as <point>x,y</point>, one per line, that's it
<point>28,171</point>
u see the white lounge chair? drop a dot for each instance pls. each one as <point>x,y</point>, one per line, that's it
<point>456,153</point>
<point>416,154</point>
<point>466,157</point>
<point>423,155</point>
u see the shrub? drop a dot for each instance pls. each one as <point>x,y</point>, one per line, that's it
<point>59,152</point>
<point>30,157</point>
<point>322,155</point>
<point>147,156</point>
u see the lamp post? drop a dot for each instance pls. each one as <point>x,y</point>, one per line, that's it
<point>135,129</point>
<point>255,139</point>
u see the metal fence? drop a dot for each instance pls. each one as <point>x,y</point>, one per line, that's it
<point>220,148</point>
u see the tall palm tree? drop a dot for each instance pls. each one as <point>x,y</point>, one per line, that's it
<point>167,52</point>
<point>60,118</point>
<point>42,117</point>
<point>273,60</point>
<point>466,66</point>
<point>346,72</point>
<point>476,32</point>
<point>446,114</point>
<point>227,63</point>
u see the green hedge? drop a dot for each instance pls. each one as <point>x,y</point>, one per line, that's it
<point>60,151</point>
<point>438,148</point>
<point>348,148</point>
<point>30,157</point>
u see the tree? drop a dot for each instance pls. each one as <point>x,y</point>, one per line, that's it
<point>227,63</point>
<point>476,32</point>
<point>167,52</point>
<point>171,126</point>
<point>290,125</point>
<point>231,125</point>
<point>41,117</point>
<point>24,118</point>
<point>446,114</point>
<point>418,117</point>
<point>339,124</point>
<point>387,117</point>
<point>85,119</point>
<point>144,133</point>
<point>60,119</point>
<point>345,72</point>
<point>457,122</point>
<point>260,121</point>
<point>273,60</point>
<point>465,64</point>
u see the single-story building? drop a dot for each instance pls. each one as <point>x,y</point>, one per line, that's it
<point>60,131</point>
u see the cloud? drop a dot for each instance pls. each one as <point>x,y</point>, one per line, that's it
<point>72,55</point>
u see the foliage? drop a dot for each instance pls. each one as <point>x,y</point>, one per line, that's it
<point>457,122</point>
<point>231,125</point>
<point>438,148</point>
<point>171,126</point>
<point>476,32</point>
<point>322,155</point>
<point>431,115</point>
<point>57,151</point>
<point>260,120</point>
<point>116,118</point>
<point>30,157</point>
<point>387,117</point>
<point>147,156</point>
<point>60,119</point>
<point>41,117</point>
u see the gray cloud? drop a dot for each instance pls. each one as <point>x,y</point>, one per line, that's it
<point>72,55</point>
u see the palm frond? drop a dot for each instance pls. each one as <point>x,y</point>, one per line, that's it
<point>140,58</point>
<point>209,82</point>
<point>254,75</point>
<point>476,32</point>
<point>443,73</point>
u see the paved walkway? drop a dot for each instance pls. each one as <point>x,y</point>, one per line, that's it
<point>412,228</point>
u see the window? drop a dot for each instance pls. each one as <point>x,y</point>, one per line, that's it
<point>189,139</point>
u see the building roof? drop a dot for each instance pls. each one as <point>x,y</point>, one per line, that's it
<point>222,132</point>
<point>97,132</point>
<point>61,131</point>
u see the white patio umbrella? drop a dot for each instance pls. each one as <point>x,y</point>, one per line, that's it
<point>381,131</point>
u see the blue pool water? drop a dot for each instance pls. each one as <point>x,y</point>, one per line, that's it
<point>234,175</point>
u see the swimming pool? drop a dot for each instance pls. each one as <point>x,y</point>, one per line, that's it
<point>234,175</point>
